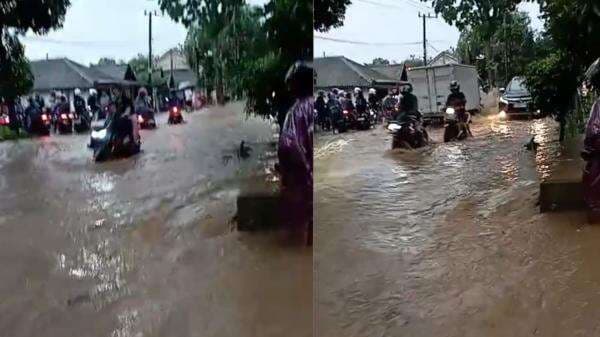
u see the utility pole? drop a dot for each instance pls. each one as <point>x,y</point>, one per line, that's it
<point>425,17</point>
<point>150,65</point>
<point>150,14</point>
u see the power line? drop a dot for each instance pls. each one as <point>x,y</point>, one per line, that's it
<point>381,4</point>
<point>420,4</point>
<point>369,43</point>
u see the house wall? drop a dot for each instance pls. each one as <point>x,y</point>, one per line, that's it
<point>179,62</point>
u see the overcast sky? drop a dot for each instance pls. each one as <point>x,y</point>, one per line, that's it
<point>397,25</point>
<point>107,28</point>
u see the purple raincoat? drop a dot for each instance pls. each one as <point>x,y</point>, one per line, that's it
<point>591,173</point>
<point>296,165</point>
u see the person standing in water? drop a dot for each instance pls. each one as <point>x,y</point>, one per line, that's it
<point>295,154</point>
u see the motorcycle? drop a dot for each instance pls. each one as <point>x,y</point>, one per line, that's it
<point>81,121</point>
<point>342,122</point>
<point>4,120</point>
<point>41,124</point>
<point>175,116</point>
<point>64,124</point>
<point>98,122</point>
<point>363,121</point>
<point>146,120</point>
<point>108,143</point>
<point>407,135</point>
<point>455,129</point>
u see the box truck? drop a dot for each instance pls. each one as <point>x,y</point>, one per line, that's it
<point>431,86</point>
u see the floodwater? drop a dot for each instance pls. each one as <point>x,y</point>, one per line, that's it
<point>145,246</point>
<point>448,240</point>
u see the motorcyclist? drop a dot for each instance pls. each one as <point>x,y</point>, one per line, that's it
<point>79,103</point>
<point>348,104</point>
<point>321,108</point>
<point>361,102</point>
<point>408,107</point>
<point>142,103</point>
<point>126,117</point>
<point>39,100</point>
<point>390,101</point>
<point>32,112</point>
<point>373,100</point>
<point>92,101</point>
<point>334,108</point>
<point>457,98</point>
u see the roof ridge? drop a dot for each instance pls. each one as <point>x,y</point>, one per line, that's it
<point>72,65</point>
<point>351,64</point>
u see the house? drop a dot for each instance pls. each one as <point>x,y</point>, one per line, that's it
<point>175,55</point>
<point>173,64</point>
<point>444,58</point>
<point>121,71</point>
<point>343,73</point>
<point>65,75</point>
<point>395,71</point>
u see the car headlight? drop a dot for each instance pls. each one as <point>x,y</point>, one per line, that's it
<point>100,134</point>
<point>450,111</point>
<point>503,100</point>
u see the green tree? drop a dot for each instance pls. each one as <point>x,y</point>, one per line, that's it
<point>329,14</point>
<point>482,16</point>
<point>572,43</point>
<point>513,46</point>
<point>380,61</point>
<point>17,18</point>
<point>106,61</point>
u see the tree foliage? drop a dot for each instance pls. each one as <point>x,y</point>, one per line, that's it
<point>512,48</point>
<point>16,18</point>
<point>244,50</point>
<point>571,44</point>
<point>329,14</point>
<point>380,61</point>
<point>481,16</point>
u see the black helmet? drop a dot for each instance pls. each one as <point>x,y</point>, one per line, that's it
<point>300,78</point>
<point>454,86</point>
<point>406,88</point>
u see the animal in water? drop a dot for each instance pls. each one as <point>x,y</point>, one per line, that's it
<point>244,151</point>
<point>532,145</point>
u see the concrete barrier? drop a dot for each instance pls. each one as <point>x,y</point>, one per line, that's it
<point>258,207</point>
<point>563,189</point>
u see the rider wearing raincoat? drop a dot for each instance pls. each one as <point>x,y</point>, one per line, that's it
<point>295,154</point>
<point>591,153</point>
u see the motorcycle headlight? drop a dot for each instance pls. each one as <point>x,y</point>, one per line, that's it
<point>394,127</point>
<point>100,134</point>
<point>450,111</point>
<point>502,114</point>
<point>63,116</point>
<point>140,119</point>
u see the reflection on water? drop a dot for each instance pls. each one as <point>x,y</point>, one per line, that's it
<point>414,226</point>
<point>144,246</point>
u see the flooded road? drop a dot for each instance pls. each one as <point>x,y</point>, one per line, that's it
<point>448,240</point>
<point>145,246</point>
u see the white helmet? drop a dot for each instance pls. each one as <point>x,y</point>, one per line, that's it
<point>77,91</point>
<point>357,90</point>
<point>372,91</point>
<point>93,91</point>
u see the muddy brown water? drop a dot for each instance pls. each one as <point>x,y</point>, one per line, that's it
<point>448,240</point>
<point>144,246</point>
